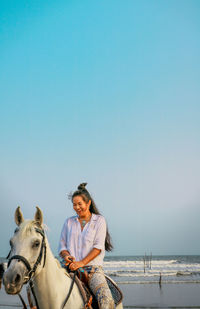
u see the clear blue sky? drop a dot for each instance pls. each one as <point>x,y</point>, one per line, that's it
<point>105,92</point>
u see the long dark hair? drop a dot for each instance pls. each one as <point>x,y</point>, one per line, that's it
<point>83,192</point>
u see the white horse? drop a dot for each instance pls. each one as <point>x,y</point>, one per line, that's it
<point>31,257</point>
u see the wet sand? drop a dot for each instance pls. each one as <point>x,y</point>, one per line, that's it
<point>10,301</point>
<point>180,295</point>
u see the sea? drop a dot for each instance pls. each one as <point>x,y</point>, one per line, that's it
<point>153,269</point>
<point>147,281</point>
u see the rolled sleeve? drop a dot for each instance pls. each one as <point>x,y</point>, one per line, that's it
<point>63,238</point>
<point>99,241</point>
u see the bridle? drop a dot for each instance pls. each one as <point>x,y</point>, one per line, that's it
<point>31,271</point>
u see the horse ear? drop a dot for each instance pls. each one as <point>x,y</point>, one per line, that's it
<point>39,216</point>
<point>18,216</point>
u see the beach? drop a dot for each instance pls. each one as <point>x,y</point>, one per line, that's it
<point>10,301</point>
<point>179,288</point>
<point>182,295</point>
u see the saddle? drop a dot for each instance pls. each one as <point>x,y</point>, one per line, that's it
<point>88,297</point>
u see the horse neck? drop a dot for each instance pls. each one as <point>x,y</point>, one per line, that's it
<point>52,285</point>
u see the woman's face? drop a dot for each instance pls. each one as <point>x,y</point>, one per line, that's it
<point>80,206</point>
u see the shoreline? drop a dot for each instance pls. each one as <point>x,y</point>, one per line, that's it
<point>155,282</point>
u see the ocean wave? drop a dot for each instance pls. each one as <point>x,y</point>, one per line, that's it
<point>136,275</point>
<point>150,274</point>
<point>141,262</point>
<point>173,269</point>
<point>188,273</point>
<point>154,265</point>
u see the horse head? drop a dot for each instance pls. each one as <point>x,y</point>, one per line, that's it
<point>27,251</point>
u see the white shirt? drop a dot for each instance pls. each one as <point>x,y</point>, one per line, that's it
<point>79,243</point>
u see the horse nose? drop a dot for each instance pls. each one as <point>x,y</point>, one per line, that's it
<point>17,279</point>
<point>13,282</point>
<point>13,279</point>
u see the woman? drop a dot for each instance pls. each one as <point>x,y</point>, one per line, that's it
<point>84,239</point>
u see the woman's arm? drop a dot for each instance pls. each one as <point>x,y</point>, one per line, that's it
<point>91,256</point>
<point>63,238</point>
<point>62,249</point>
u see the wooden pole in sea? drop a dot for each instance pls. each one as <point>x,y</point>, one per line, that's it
<point>144,262</point>
<point>150,259</point>
<point>160,280</point>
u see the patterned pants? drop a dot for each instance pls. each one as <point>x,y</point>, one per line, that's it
<point>98,285</point>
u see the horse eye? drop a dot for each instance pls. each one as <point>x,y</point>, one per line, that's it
<point>36,244</point>
<point>16,230</point>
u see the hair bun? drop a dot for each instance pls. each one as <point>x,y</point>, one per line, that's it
<point>82,186</point>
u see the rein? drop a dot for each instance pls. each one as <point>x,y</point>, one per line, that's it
<point>31,271</point>
<point>70,289</point>
<point>75,278</point>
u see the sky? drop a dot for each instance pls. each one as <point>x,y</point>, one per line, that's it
<point>103,92</point>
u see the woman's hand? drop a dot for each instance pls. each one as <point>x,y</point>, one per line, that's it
<point>75,265</point>
<point>69,259</point>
